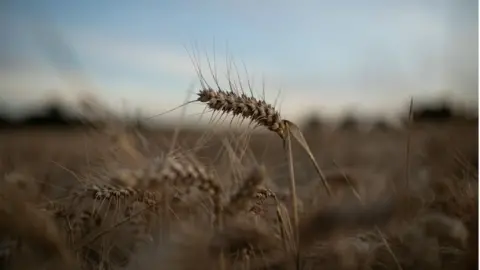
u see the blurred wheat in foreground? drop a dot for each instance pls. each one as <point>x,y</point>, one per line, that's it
<point>84,199</point>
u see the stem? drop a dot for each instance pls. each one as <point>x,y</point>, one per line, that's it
<point>293,196</point>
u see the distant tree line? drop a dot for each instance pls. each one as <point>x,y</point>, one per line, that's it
<point>55,116</point>
<point>434,112</point>
<point>52,116</point>
<point>439,112</point>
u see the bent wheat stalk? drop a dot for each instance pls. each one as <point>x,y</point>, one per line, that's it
<point>261,113</point>
<point>264,114</point>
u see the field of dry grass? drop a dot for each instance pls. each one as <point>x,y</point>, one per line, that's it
<point>117,199</point>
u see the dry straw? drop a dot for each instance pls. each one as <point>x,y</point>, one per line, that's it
<point>261,113</point>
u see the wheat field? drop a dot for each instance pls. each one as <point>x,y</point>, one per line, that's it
<point>125,198</point>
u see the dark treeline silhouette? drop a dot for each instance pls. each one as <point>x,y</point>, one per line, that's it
<point>381,125</point>
<point>52,116</point>
<point>439,112</point>
<point>312,123</point>
<point>348,123</point>
<point>433,113</point>
<point>55,116</point>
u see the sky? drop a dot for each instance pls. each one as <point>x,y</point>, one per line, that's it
<point>368,56</point>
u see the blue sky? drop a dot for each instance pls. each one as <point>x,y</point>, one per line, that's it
<point>370,55</point>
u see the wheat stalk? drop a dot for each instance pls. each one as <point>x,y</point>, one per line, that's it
<point>257,111</point>
<point>261,113</point>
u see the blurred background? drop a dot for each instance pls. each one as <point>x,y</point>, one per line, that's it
<point>331,59</point>
<point>84,87</point>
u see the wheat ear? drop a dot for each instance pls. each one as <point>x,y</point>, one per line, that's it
<point>258,111</point>
<point>229,102</point>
